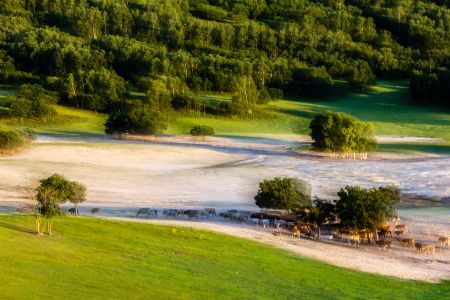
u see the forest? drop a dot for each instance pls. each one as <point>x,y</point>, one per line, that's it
<point>138,60</point>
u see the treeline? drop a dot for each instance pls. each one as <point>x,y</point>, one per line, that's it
<point>431,88</point>
<point>91,52</point>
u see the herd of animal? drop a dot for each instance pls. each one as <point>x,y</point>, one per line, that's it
<point>280,221</point>
<point>384,238</point>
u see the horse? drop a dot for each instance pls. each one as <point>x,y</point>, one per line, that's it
<point>191,213</point>
<point>146,211</point>
<point>73,211</point>
<point>210,212</point>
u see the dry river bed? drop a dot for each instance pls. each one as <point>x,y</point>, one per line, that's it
<point>224,173</point>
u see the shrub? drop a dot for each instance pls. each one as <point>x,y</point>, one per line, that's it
<point>340,132</point>
<point>202,130</point>
<point>11,141</point>
<point>283,193</point>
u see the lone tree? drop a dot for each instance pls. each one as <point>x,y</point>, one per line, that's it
<point>339,132</point>
<point>52,192</point>
<point>283,193</point>
<point>367,209</point>
<point>202,131</point>
<point>244,99</point>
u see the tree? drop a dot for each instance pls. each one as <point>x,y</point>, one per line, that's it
<point>245,97</point>
<point>360,75</point>
<point>52,192</point>
<point>78,195</point>
<point>202,130</point>
<point>340,132</point>
<point>366,209</point>
<point>283,193</point>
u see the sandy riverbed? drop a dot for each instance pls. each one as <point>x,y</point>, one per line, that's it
<point>224,173</point>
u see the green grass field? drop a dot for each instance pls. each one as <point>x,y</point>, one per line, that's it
<point>387,105</point>
<point>91,258</point>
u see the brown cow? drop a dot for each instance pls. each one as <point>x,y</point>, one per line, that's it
<point>191,213</point>
<point>445,241</point>
<point>384,245</point>
<point>409,242</point>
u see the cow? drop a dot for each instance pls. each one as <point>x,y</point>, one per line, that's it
<point>210,212</point>
<point>73,211</point>
<point>95,210</point>
<point>445,241</point>
<point>403,227</point>
<point>408,242</point>
<point>384,245</point>
<point>147,212</point>
<point>191,213</point>
<point>422,248</point>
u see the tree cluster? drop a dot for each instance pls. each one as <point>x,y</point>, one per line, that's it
<point>340,132</point>
<point>92,52</point>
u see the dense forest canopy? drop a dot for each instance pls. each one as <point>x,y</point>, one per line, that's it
<point>93,51</point>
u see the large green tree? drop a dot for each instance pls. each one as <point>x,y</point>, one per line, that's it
<point>52,192</point>
<point>283,193</point>
<point>340,132</point>
<point>367,209</point>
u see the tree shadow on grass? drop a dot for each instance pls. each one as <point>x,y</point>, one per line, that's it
<point>17,228</point>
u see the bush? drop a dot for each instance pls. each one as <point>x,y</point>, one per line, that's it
<point>202,130</point>
<point>11,141</point>
<point>284,193</point>
<point>340,132</point>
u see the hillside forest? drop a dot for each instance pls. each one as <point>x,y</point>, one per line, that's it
<point>140,60</point>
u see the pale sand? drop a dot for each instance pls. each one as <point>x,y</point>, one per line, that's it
<point>400,263</point>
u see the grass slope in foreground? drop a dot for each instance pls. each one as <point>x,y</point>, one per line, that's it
<point>94,258</point>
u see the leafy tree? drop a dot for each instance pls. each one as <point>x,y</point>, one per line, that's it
<point>244,100</point>
<point>340,132</point>
<point>283,193</point>
<point>360,75</point>
<point>366,209</point>
<point>52,192</point>
<point>202,130</point>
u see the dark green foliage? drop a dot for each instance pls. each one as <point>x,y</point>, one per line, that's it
<point>283,193</point>
<point>340,132</point>
<point>366,209</point>
<point>33,101</point>
<point>14,140</point>
<point>202,130</point>
<point>431,88</point>
<point>94,49</point>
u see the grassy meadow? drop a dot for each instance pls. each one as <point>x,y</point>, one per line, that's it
<point>386,105</point>
<point>100,259</point>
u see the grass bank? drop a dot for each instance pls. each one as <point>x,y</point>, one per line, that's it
<point>101,259</point>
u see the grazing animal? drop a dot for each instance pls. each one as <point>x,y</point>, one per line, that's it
<point>445,241</point>
<point>191,213</point>
<point>403,227</point>
<point>226,215</point>
<point>399,232</point>
<point>147,212</point>
<point>384,232</point>
<point>408,242</point>
<point>210,211</point>
<point>384,245</point>
<point>95,210</point>
<point>171,212</point>
<point>421,248</point>
<point>73,211</point>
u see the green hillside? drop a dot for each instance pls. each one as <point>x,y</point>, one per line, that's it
<point>94,258</point>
